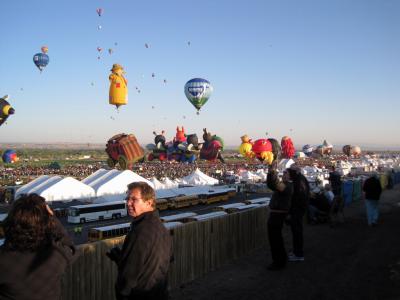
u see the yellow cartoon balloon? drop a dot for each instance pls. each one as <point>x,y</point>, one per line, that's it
<point>118,86</point>
<point>245,149</point>
<point>267,157</point>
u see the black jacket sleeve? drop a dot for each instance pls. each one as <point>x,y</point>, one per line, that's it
<point>272,179</point>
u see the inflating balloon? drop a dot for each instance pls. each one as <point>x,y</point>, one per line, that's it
<point>10,156</point>
<point>308,150</point>
<point>245,148</point>
<point>41,60</point>
<point>212,147</point>
<point>351,150</point>
<point>198,91</point>
<point>288,149</point>
<point>5,109</point>
<point>262,149</point>
<point>118,94</point>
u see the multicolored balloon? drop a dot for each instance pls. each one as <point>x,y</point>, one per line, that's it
<point>45,49</point>
<point>99,11</point>
<point>10,156</point>
<point>198,91</point>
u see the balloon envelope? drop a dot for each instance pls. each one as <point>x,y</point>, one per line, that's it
<point>198,91</point>
<point>41,60</point>
<point>45,49</point>
<point>9,156</point>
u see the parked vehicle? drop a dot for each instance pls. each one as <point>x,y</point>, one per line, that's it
<point>96,212</point>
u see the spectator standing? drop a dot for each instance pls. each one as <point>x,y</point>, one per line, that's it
<point>335,181</point>
<point>279,208</point>
<point>373,189</point>
<point>144,260</point>
<point>298,207</point>
<point>35,253</point>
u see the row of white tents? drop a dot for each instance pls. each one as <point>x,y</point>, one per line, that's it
<point>106,185</point>
<point>110,185</point>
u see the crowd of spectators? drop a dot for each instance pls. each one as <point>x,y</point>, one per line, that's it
<point>160,170</point>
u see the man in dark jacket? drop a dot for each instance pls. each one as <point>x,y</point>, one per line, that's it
<point>298,207</point>
<point>335,181</point>
<point>279,208</point>
<point>144,260</point>
<point>373,189</point>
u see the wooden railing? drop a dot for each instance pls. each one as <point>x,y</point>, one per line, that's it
<point>199,247</point>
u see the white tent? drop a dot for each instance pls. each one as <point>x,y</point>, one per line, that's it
<point>157,184</point>
<point>56,188</point>
<point>96,175</point>
<point>112,186</point>
<point>168,183</point>
<point>199,178</point>
<point>30,185</point>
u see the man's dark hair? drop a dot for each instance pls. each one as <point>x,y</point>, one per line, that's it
<point>146,191</point>
<point>29,226</point>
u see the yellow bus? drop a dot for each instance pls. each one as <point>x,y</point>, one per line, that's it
<point>184,201</point>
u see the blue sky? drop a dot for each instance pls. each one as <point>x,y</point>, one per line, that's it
<point>314,70</point>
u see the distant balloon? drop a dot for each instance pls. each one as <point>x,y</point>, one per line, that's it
<point>147,45</point>
<point>266,133</point>
<point>165,80</point>
<point>99,11</point>
<point>99,49</point>
<point>98,57</point>
<point>152,106</point>
<point>44,49</point>
<point>188,43</point>
<point>184,117</point>
<point>110,51</point>
<point>198,91</point>
<point>115,44</point>
<point>41,60</point>
<point>99,27</point>
<point>92,84</point>
<point>153,75</point>
<point>10,156</point>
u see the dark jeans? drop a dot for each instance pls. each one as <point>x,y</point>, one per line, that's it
<point>296,224</point>
<point>275,225</point>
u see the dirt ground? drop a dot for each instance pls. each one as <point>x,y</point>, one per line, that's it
<point>351,261</point>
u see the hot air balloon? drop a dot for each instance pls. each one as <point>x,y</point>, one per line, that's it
<point>308,150</point>
<point>10,156</point>
<point>41,60</point>
<point>99,11</point>
<point>110,51</point>
<point>45,49</point>
<point>288,149</point>
<point>118,86</point>
<point>99,27</point>
<point>198,91</point>
<point>99,49</point>
<point>147,46</point>
<point>5,109</point>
